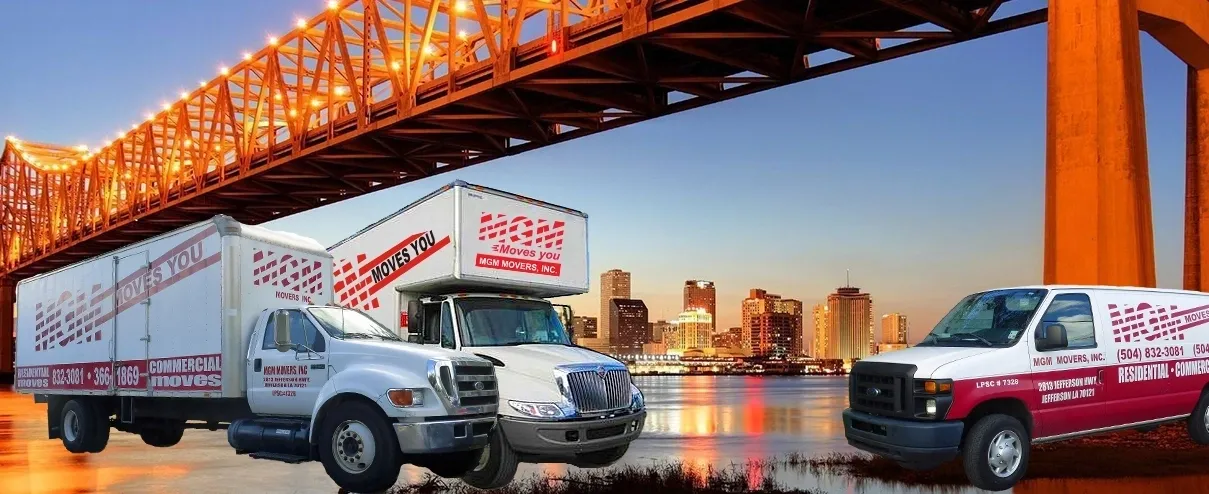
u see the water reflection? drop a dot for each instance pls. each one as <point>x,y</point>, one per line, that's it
<point>706,421</point>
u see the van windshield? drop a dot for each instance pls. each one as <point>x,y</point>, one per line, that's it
<point>346,323</point>
<point>993,319</point>
<point>489,321</point>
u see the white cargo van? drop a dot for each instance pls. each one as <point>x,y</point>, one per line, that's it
<point>1012,367</point>
<point>223,325</point>
<point>469,268</point>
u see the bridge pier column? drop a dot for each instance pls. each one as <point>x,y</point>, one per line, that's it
<point>1196,206</point>
<point>8,297</point>
<point>1098,227</point>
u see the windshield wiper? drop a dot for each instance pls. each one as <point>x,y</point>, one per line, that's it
<point>358,335</point>
<point>971,336</point>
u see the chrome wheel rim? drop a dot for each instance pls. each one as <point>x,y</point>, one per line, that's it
<point>71,426</point>
<point>1004,454</point>
<point>353,447</point>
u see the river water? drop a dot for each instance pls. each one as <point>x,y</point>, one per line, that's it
<point>706,420</point>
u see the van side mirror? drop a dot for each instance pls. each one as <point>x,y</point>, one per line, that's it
<point>1052,337</point>
<point>281,331</point>
<point>415,316</point>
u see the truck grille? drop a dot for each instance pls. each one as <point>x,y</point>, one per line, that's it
<point>881,388</point>
<point>599,390</point>
<point>476,384</point>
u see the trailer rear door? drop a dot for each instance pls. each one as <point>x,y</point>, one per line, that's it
<point>131,321</point>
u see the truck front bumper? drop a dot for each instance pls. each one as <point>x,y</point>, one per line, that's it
<point>444,436</point>
<point>565,439</point>
<point>903,440</point>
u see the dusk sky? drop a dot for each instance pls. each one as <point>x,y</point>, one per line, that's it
<point>923,175</point>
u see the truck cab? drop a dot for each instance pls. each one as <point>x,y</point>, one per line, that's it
<point>559,403</point>
<point>1011,367</point>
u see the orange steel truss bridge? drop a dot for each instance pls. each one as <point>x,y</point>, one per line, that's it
<point>373,93</point>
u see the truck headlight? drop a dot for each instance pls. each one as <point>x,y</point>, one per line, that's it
<point>406,397</point>
<point>637,401</point>
<point>538,410</point>
<point>930,406</point>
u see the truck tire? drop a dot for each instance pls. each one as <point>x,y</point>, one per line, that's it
<point>601,459</point>
<point>163,435</point>
<point>995,452</point>
<point>83,426</point>
<point>496,465</point>
<point>1198,423</point>
<point>359,449</point>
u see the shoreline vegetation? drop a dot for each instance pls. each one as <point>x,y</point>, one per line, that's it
<point>1163,452</point>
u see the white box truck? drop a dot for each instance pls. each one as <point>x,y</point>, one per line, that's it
<point>223,325</point>
<point>469,268</point>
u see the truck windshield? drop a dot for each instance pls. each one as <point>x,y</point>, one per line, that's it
<point>993,319</point>
<point>508,321</point>
<point>344,323</point>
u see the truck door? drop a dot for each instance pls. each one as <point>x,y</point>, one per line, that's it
<point>287,383</point>
<point>131,325</point>
<point>1069,389</point>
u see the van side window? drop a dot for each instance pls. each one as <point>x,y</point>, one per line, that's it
<point>447,339</point>
<point>1072,311</point>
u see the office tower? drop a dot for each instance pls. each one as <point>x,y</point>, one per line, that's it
<point>731,338</point>
<point>822,340</point>
<point>850,323</point>
<point>894,328</point>
<point>584,327</point>
<point>628,321</point>
<point>694,329</point>
<point>614,283</point>
<point>771,324</point>
<point>700,294</point>
<point>659,328</point>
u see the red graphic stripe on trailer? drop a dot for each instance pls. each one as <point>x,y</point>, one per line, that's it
<point>1146,322</point>
<point>357,281</point>
<point>128,299</point>
<point>186,373</point>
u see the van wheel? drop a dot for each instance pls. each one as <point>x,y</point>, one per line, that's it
<point>1198,423</point>
<point>496,465</point>
<point>601,459</point>
<point>359,450</point>
<point>995,452</point>
<point>83,426</point>
<point>163,435</point>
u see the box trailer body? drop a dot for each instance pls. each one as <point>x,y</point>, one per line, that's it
<point>469,268</point>
<point>223,325</point>
<point>167,317</point>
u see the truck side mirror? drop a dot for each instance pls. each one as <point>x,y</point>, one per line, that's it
<point>281,331</point>
<point>415,316</point>
<point>1052,337</point>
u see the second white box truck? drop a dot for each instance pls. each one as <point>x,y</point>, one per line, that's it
<point>224,325</point>
<point>470,268</point>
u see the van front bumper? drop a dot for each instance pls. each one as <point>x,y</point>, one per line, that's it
<point>901,440</point>
<point>444,436</point>
<point>566,439</point>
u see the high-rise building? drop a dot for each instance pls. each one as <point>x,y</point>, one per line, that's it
<point>614,283</point>
<point>850,323</point>
<point>584,327</point>
<point>628,321</point>
<point>771,324</point>
<point>700,294</point>
<point>731,338</point>
<point>694,329</point>
<point>822,342</point>
<point>660,328</point>
<point>894,328</point>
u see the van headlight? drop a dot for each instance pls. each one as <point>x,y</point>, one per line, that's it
<point>637,401</point>
<point>538,410</point>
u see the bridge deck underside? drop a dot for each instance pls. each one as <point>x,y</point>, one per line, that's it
<point>694,54</point>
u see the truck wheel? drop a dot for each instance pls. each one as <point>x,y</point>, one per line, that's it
<point>601,459</point>
<point>995,452</point>
<point>1198,423</point>
<point>163,436</point>
<point>83,426</point>
<point>496,465</point>
<point>359,450</point>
